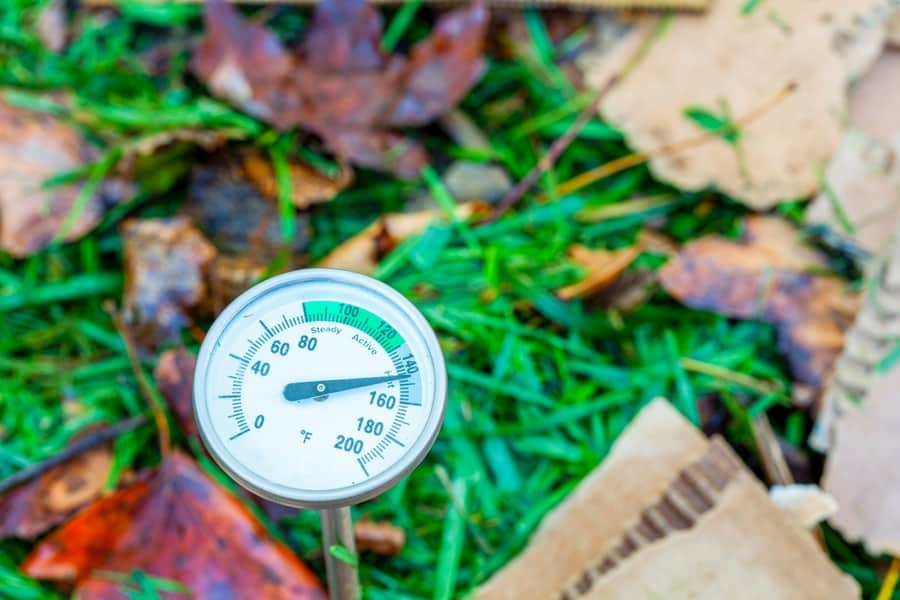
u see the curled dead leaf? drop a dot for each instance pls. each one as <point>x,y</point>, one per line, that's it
<point>362,252</point>
<point>379,538</point>
<point>175,523</point>
<point>602,268</point>
<point>174,375</point>
<point>35,147</point>
<point>308,185</point>
<point>29,510</point>
<point>164,275</point>
<point>764,278</point>
<point>340,85</point>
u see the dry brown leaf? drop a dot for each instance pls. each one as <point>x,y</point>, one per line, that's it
<point>862,198</point>
<point>174,375</point>
<point>29,510</point>
<point>862,471</point>
<point>763,277</point>
<point>687,519</point>
<point>164,275</point>
<point>35,147</point>
<point>743,61</point>
<point>379,538</point>
<point>602,268</point>
<point>308,185</point>
<point>362,252</point>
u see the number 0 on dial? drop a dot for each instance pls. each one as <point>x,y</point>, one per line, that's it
<point>319,388</point>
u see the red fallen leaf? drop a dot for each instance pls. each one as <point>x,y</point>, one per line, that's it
<point>175,523</point>
<point>32,508</point>
<point>339,84</point>
<point>174,375</point>
<point>764,276</point>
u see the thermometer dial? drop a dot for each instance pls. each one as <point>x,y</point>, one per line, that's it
<point>319,388</point>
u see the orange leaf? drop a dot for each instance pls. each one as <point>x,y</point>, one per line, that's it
<point>174,523</point>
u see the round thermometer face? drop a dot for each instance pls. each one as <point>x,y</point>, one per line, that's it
<point>319,388</point>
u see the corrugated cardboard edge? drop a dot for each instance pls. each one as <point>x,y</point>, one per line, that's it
<point>724,527</point>
<point>744,548</point>
<point>866,343</point>
<point>657,443</point>
<point>693,492</point>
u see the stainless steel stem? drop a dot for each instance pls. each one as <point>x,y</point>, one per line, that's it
<point>337,529</point>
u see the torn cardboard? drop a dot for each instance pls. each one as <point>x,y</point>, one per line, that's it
<point>669,514</point>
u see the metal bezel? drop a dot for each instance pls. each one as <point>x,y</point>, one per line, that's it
<point>311,498</point>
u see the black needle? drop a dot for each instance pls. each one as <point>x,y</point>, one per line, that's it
<point>313,389</point>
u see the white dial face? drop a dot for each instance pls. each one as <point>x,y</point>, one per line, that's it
<point>317,390</point>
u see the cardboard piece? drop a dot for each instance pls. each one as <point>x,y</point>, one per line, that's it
<point>669,514</point>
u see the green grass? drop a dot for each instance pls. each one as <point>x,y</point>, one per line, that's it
<point>539,388</point>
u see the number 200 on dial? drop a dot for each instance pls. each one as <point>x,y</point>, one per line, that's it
<point>319,388</point>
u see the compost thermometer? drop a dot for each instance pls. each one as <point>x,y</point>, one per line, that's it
<point>320,389</point>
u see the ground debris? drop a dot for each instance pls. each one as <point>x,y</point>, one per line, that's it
<point>709,72</point>
<point>174,375</point>
<point>766,276</point>
<point>165,261</point>
<point>362,252</point>
<point>688,519</point>
<point>35,147</point>
<point>379,537</point>
<point>34,507</point>
<point>176,523</point>
<point>308,186</point>
<point>601,267</point>
<point>860,199</point>
<point>339,84</point>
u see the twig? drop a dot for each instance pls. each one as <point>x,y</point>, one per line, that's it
<point>152,397</point>
<point>560,144</point>
<point>77,447</point>
<point>774,463</point>
<point>637,158</point>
